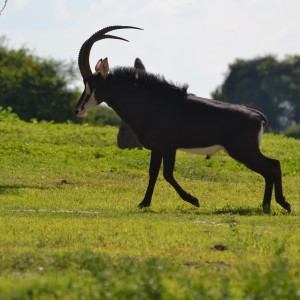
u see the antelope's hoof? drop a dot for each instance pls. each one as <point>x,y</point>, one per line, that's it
<point>143,205</point>
<point>287,207</point>
<point>193,200</point>
<point>285,204</point>
<point>266,209</point>
<point>196,203</point>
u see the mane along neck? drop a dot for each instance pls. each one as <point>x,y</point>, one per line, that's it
<point>149,81</point>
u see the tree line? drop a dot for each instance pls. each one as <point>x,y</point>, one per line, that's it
<point>268,84</point>
<point>43,88</point>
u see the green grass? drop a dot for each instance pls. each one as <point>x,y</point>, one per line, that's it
<point>70,227</point>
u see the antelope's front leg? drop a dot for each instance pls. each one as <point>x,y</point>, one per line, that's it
<point>155,163</point>
<point>169,162</point>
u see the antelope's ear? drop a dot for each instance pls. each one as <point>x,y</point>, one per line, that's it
<point>102,67</point>
<point>97,67</point>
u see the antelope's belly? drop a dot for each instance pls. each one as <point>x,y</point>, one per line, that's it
<point>203,151</point>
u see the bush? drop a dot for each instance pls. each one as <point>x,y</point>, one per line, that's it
<point>36,87</point>
<point>277,282</point>
<point>7,114</point>
<point>102,116</point>
<point>293,131</point>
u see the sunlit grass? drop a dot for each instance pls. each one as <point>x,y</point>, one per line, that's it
<point>69,219</point>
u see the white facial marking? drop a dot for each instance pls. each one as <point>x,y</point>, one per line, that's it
<point>90,103</point>
<point>87,89</point>
<point>203,151</point>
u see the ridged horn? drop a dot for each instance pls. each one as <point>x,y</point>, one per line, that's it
<point>84,53</point>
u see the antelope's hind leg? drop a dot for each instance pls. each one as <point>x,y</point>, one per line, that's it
<point>280,199</point>
<point>270,169</point>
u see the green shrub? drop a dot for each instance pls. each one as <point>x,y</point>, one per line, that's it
<point>7,114</point>
<point>293,131</point>
<point>277,282</point>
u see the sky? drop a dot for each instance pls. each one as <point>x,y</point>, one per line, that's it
<point>187,41</point>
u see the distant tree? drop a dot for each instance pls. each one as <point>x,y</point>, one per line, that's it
<point>36,87</point>
<point>268,84</point>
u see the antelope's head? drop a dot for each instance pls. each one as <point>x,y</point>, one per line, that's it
<point>93,81</point>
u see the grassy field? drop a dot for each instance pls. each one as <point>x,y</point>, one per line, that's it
<point>70,227</point>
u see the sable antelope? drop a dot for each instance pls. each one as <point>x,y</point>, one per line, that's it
<point>166,118</point>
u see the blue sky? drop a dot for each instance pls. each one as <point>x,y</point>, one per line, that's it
<point>188,41</point>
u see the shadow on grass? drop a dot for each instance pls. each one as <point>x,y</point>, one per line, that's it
<point>15,188</point>
<point>148,210</point>
<point>241,211</point>
<point>248,211</point>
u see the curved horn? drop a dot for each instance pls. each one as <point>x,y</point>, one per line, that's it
<point>84,53</point>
